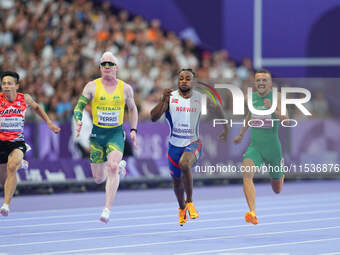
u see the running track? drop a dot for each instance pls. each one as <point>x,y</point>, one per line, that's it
<point>303,219</point>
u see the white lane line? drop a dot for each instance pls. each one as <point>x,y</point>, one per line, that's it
<point>332,253</point>
<point>283,197</point>
<point>162,224</point>
<point>158,216</point>
<point>216,203</point>
<point>260,246</point>
<point>169,232</point>
<point>206,239</point>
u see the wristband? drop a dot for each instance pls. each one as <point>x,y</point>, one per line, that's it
<point>133,129</point>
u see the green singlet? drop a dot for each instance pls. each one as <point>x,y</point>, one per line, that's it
<point>265,146</point>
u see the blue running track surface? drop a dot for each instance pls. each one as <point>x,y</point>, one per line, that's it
<point>303,219</point>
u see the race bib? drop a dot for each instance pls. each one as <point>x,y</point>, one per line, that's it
<point>108,118</point>
<point>11,124</point>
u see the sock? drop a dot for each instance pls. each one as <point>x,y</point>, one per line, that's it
<point>5,206</point>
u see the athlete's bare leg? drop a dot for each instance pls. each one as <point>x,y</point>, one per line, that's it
<point>98,172</point>
<point>249,189</point>
<point>179,191</point>
<point>3,174</point>
<point>112,181</point>
<point>187,160</point>
<point>248,184</point>
<point>277,184</point>
<point>13,164</point>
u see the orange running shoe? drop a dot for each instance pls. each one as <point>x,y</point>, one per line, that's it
<point>192,211</point>
<point>182,215</point>
<point>251,217</point>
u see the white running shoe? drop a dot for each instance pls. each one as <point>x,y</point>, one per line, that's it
<point>105,216</point>
<point>122,169</point>
<point>4,210</point>
<point>24,164</point>
<point>28,148</point>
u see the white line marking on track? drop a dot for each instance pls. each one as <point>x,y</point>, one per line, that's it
<point>283,197</point>
<point>260,246</point>
<point>169,232</point>
<point>159,224</point>
<point>207,239</point>
<point>216,203</point>
<point>159,216</point>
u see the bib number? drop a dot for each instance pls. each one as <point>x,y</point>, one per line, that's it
<point>11,124</point>
<point>108,118</point>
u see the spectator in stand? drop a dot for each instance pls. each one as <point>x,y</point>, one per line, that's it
<point>63,40</point>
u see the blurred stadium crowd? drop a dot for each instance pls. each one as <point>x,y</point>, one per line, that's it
<point>55,46</point>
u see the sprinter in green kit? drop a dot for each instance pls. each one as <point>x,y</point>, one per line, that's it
<point>265,146</point>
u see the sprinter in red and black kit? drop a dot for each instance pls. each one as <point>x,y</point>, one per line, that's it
<point>13,107</point>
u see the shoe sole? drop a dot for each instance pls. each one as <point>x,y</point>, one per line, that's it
<point>193,217</point>
<point>104,220</point>
<point>250,219</point>
<point>4,213</point>
<point>183,223</point>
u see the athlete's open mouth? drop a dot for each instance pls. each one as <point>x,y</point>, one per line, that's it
<point>261,86</point>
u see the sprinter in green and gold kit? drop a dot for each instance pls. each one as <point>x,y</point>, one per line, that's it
<point>265,146</point>
<point>108,96</point>
<point>108,114</point>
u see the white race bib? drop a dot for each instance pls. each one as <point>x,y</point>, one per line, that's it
<point>108,118</point>
<point>11,123</point>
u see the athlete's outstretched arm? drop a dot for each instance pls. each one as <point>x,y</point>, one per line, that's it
<point>133,113</point>
<point>40,111</point>
<point>225,132</point>
<point>82,102</point>
<point>162,106</point>
<point>130,102</point>
<point>243,130</point>
<point>237,139</point>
